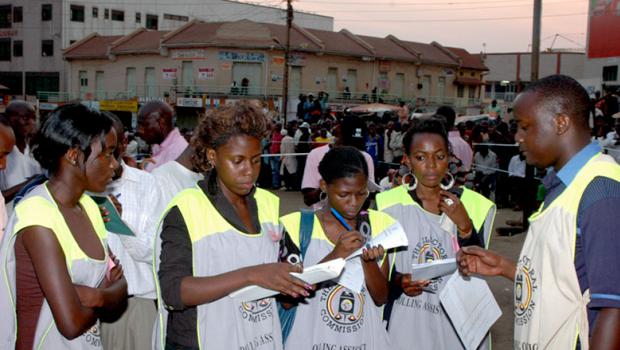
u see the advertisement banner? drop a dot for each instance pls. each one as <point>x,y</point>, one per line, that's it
<point>119,105</point>
<point>206,73</point>
<point>169,73</point>
<point>604,31</point>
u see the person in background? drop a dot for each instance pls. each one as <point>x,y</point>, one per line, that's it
<point>566,280</point>
<point>494,111</point>
<point>322,139</point>
<point>348,133</point>
<point>274,158</point>
<point>177,175</point>
<point>301,112</point>
<point>21,165</point>
<point>388,155</point>
<point>155,127</point>
<point>132,188</point>
<point>221,236</point>
<point>612,141</point>
<point>516,179</point>
<point>289,162</point>
<point>374,144</point>
<point>7,142</point>
<point>486,165</point>
<point>438,218</point>
<point>60,279</point>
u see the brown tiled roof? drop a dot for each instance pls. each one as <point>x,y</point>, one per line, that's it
<point>95,47</point>
<point>388,49</point>
<point>469,61</point>
<point>248,34</point>
<point>145,41</point>
<point>430,54</point>
<point>340,44</point>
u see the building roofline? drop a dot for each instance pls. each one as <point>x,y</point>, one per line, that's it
<point>126,38</point>
<point>359,41</point>
<point>303,31</point>
<point>447,51</point>
<point>80,42</point>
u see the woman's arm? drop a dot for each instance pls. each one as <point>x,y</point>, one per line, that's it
<point>180,289</point>
<point>49,262</point>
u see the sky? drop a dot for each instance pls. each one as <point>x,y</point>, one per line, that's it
<point>476,25</point>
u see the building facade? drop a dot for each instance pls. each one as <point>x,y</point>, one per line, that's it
<point>509,71</point>
<point>245,58</point>
<point>33,33</point>
<point>603,47</point>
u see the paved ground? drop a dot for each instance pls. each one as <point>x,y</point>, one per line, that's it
<point>502,331</point>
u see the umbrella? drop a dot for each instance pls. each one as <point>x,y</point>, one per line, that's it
<point>2,87</point>
<point>374,108</point>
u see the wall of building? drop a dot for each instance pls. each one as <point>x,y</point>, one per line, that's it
<point>314,72</point>
<point>63,31</point>
<point>504,66</point>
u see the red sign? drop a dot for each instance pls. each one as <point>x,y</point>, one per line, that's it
<point>604,33</point>
<point>8,33</point>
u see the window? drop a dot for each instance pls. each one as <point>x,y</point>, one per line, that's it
<point>138,17</point>
<point>83,78</point>
<point>460,91</point>
<point>5,49</point>
<point>151,22</point>
<point>176,17</point>
<point>42,81</point>
<point>5,16</point>
<point>18,48</point>
<point>77,13</point>
<point>71,42</point>
<point>18,14</point>
<point>130,81</point>
<point>610,73</point>
<point>46,12</point>
<point>95,12</point>
<point>472,92</point>
<point>47,48</point>
<point>118,15</point>
<point>106,14</point>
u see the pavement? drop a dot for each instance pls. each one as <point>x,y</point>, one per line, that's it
<point>502,331</point>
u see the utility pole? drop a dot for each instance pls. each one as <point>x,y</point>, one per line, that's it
<point>287,51</point>
<point>531,184</point>
<point>536,40</point>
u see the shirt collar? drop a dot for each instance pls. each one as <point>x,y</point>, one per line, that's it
<point>569,170</point>
<point>172,138</point>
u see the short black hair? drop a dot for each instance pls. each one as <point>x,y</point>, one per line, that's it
<point>434,124</point>
<point>448,113</point>
<point>68,126</point>
<point>341,162</point>
<point>562,94</point>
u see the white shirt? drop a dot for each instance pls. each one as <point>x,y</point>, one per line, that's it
<point>139,195</point>
<point>488,164</point>
<point>516,167</point>
<point>172,178</point>
<point>461,149</point>
<point>312,178</point>
<point>19,167</point>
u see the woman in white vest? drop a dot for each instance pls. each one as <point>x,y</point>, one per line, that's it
<point>567,278</point>
<point>57,281</point>
<point>218,237</point>
<point>334,316</point>
<point>438,219</point>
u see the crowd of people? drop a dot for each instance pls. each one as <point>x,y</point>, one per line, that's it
<point>102,251</point>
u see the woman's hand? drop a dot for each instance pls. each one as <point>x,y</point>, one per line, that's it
<point>412,287</point>
<point>347,243</point>
<point>277,276</point>
<point>455,210</point>
<point>372,254</point>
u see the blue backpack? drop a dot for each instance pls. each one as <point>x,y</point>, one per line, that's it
<point>287,316</point>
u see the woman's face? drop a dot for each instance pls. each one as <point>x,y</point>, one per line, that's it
<point>347,195</point>
<point>101,163</point>
<point>237,163</point>
<point>428,159</point>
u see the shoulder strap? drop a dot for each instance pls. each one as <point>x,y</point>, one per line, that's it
<point>305,230</point>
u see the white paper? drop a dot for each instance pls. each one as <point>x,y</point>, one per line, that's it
<point>311,275</point>
<point>471,307</point>
<point>393,237</point>
<point>433,269</point>
<point>353,274</point>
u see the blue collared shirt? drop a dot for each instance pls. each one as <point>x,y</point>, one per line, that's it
<point>597,250</point>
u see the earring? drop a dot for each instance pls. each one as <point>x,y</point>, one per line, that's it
<point>322,196</point>
<point>449,185</point>
<point>406,183</point>
<point>71,161</point>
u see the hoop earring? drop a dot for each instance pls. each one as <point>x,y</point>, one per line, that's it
<point>449,185</point>
<point>406,183</point>
<point>322,196</point>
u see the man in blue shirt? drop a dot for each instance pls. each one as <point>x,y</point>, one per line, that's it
<point>552,115</point>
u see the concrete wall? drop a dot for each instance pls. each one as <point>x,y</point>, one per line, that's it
<point>504,66</point>
<point>594,69</point>
<point>314,69</point>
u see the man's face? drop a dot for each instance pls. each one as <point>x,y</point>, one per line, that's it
<point>23,122</point>
<point>536,133</point>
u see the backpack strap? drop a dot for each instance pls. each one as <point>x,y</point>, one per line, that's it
<point>305,230</point>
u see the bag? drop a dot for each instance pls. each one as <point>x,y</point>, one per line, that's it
<point>287,316</point>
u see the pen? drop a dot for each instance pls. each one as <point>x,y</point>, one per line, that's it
<point>340,219</point>
<point>118,195</point>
